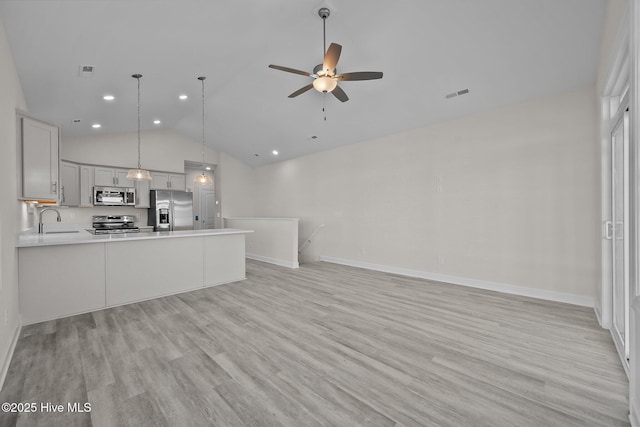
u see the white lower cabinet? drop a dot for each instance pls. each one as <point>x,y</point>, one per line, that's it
<point>146,269</point>
<point>50,288</point>
<point>63,280</point>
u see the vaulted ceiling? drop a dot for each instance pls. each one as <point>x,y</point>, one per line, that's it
<point>502,51</point>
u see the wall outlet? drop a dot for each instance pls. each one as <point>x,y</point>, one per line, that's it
<point>439,184</point>
<point>440,259</point>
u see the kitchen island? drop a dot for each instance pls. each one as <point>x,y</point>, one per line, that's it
<point>62,274</point>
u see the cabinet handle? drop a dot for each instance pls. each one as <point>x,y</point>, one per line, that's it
<point>608,230</point>
<point>62,193</point>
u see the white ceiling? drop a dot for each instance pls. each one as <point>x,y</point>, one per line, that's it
<point>503,51</point>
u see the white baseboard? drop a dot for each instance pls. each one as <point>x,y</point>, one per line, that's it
<point>280,262</point>
<point>474,283</point>
<point>596,309</point>
<point>7,360</point>
<point>634,415</point>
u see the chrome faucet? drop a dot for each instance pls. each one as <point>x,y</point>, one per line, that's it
<point>40,224</point>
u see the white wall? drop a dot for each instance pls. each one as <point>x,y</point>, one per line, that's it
<point>518,203</point>
<point>235,188</point>
<point>274,240</point>
<point>11,97</point>
<point>163,150</point>
<point>614,14</point>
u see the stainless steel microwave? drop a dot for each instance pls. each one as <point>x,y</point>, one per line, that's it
<point>114,196</point>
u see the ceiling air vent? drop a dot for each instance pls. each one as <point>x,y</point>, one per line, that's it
<point>458,93</point>
<point>85,71</point>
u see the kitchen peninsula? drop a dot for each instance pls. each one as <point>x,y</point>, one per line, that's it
<point>63,274</point>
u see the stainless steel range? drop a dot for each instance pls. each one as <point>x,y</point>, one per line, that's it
<point>113,224</point>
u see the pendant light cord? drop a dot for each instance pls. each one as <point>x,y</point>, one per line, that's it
<point>202,80</point>
<point>137,77</point>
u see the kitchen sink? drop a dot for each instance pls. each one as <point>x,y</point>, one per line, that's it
<point>61,232</point>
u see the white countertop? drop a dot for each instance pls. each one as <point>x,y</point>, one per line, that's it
<point>246,218</point>
<point>31,239</point>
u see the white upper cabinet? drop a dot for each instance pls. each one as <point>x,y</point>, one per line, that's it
<point>86,185</point>
<point>121,178</point>
<point>40,158</point>
<point>143,199</point>
<point>104,177</point>
<point>69,184</point>
<point>111,177</point>
<point>168,181</point>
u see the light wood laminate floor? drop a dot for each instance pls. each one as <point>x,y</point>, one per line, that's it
<point>324,345</point>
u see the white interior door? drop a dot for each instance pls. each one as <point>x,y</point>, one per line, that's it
<point>620,232</point>
<point>207,208</point>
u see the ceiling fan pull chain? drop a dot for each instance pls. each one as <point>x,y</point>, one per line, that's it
<point>324,106</point>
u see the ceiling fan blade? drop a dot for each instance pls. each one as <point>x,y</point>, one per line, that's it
<point>339,93</point>
<point>360,75</point>
<point>289,70</point>
<point>301,90</point>
<point>331,57</point>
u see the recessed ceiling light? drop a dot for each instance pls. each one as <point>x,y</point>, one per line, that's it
<point>96,125</point>
<point>208,168</point>
<point>183,97</point>
<point>156,122</point>
<point>108,97</point>
<point>275,152</point>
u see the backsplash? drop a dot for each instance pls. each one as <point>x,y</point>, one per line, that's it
<point>80,217</point>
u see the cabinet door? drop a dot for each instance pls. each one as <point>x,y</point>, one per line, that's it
<point>69,184</point>
<point>86,186</point>
<point>159,181</point>
<point>142,194</point>
<point>39,160</point>
<point>178,182</point>
<point>104,177</point>
<point>121,178</point>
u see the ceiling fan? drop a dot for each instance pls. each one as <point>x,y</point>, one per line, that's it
<point>325,77</point>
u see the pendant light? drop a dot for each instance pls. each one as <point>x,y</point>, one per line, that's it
<point>203,179</point>
<point>138,174</point>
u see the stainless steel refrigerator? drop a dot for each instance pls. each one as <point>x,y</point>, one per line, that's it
<point>171,210</point>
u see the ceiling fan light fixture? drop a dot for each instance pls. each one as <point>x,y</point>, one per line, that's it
<point>325,84</point>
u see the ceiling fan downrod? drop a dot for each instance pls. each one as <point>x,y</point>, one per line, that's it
<point>324,13</point>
